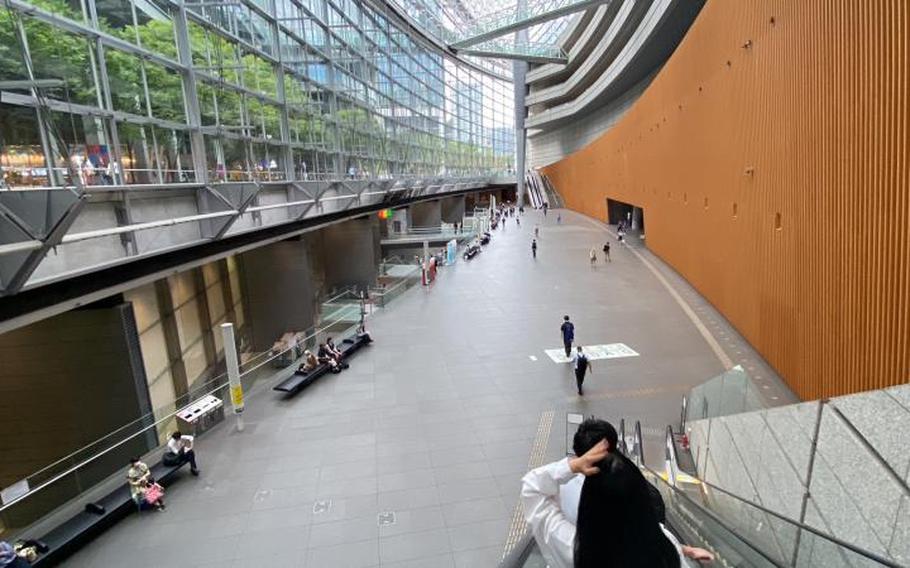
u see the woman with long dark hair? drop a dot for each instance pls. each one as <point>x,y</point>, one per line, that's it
<point>617,525</point>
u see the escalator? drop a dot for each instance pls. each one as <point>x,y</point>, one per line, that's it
<point>756,537</point>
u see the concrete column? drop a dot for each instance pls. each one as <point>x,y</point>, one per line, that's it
<point>171,339</point>
<point>358,266</point>
<point>425,214</point>
<point>519,71</point>
<point>452,209</point>
<point>67,381</point>
<point>279,292</point>
<point>205,318</point>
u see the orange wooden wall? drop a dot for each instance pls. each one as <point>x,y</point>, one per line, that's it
<point>797,108</point>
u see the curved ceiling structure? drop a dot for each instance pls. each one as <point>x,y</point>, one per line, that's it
<point>612,57</point>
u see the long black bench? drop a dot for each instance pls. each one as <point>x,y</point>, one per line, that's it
<point>300,379</point>
<point>293,384</point>
<point>98,516</point>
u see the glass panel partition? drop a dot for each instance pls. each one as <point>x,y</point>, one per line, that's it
<point>85,474</point>
<point>731,392</point>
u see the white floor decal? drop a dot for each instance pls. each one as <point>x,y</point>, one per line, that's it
<point>609,351</point>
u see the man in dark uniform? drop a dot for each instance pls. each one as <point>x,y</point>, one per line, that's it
<point>568,335</point>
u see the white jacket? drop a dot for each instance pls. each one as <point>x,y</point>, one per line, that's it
<point>552,529</point>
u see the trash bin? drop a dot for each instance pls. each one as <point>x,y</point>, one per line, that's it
<point>200,416</point>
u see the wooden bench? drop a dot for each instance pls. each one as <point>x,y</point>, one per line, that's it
<point>300,379</point>
<point>98,516</point>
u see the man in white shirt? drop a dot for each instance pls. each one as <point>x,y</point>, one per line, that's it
<point>550,496</point>
<point>582,366</point>
<point>182,447</point>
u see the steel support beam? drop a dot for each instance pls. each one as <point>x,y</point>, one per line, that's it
<point>514,20</point>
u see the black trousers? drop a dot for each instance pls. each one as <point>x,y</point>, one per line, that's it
<point>579,379</point>
<point>567,343</point>
<point>189,456</point>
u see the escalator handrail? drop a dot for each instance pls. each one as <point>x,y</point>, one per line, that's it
<point>638,441</point>
<point>712,515</point>
<point>852,547</point>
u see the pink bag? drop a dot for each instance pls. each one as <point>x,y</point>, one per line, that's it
<point>153,493</point>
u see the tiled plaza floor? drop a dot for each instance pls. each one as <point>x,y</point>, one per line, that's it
<point>413,456</point>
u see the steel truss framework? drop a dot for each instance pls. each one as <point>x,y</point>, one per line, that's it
<point>35,222</point>
<point>264,112</point>
<point>511,20</point>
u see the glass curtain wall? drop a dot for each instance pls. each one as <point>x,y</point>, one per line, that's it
<point>165,92</point>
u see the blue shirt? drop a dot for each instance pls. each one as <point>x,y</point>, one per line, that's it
<point>568,331</point>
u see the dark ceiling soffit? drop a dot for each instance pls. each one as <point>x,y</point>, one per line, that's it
<point>46,296</point>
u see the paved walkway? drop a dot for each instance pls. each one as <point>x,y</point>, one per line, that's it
<point>412,457</point>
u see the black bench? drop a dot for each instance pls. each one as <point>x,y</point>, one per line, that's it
<point>98,516</point>
<point>300,379</point>
<point>350,345</point>
<point>293,384</point>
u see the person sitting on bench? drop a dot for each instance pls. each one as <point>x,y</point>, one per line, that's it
<point>137,475</point>
<point>309,362</point>
<point>10,557</point>
<point>363,333</point>
<point>327,358</point>
<point>335,352</point>
<point>182,447</point>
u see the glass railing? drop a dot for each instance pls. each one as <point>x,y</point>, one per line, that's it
<point>520,49</point>
<point>394,280</point>
<point>731,392</point>
<point>710,515</point>
<point>738,532</point>
<point>87,470</point>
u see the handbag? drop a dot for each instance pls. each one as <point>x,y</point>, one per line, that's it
<point>154,493</point>
<point>170,459</point>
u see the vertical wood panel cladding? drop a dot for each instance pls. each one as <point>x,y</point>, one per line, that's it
<point>797,112</point>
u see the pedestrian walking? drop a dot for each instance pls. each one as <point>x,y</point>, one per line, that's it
<point>568,334</point>
<point>536,231</point>
<point>559,218</point>
<point>607,252</point>
<point>593,256</point>
<point>582,365</point>
<point>518,221</point>
<point>534,248</point>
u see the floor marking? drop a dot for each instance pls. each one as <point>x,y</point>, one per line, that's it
<point>532,357</point>
<point>709,338</point>
<point>593,352</point>
<point>518,527</point>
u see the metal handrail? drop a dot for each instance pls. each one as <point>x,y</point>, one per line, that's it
<point>622,436</point>
<point>682,413</point>
<point>142,431</point>
<point>853,548</point>
<point>639,442</point>
<point>710,514</point>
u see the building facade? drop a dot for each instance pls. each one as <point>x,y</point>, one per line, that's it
<point>167,92</point>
